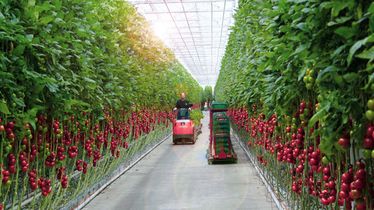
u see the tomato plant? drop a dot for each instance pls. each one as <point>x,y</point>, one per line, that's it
<point>83,86</point>
<point>196,116</point>
<point>299,78</point>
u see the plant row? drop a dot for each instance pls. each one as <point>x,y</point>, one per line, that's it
<point>61,56</point>
<point>299,78</point>
<point>84,85</point>
<point>45,159</point>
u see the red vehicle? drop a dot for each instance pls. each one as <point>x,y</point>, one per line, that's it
<point>184,130</point>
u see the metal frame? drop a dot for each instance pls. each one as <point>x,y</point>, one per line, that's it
<point>197,31</point>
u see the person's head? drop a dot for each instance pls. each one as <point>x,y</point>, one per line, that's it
<point>183,96</point>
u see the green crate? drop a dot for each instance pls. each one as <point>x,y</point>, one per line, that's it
<point>221,126</point>
<point>219,123</point>
<point>222,142</point>
<point>219,105</point>
<point>220,131</point>
<point>221,120</point>
<point>222,139</point>
<point>226,148</point>
<point>221,134</point>
<point>220,116</point>
<point>225,144</point>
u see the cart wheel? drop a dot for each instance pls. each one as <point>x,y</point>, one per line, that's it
<point>193,139</point>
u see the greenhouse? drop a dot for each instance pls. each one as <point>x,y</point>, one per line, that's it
<point>187,104</point>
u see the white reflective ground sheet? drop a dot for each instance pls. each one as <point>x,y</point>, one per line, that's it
<point>196,30</point>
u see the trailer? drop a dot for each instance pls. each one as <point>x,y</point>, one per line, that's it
<point>220,145</point>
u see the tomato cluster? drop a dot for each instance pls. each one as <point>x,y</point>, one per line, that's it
<point>50,161</point>
<point>312,173</point>
<point>301,62</point>
<point>370,112</point>
<point>6,175</point>
<point>56,148</point>
<point>309,79</point>
<point>45,185</point>
<point>369,138</point>
<point>33,179</point>
<point>61,175</point>
<point>23,161</point>
<point>73,151</point>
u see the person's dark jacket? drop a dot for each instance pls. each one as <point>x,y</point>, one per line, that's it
<point>183,104</point>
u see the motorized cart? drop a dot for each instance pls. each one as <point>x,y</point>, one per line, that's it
<point>184,129</point>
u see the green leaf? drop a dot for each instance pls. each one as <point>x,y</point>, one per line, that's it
<point>31,3</point>
<point>338,79</point>
<point>73,102</point>
<point>302,26</point>
<point>19,102</point>
<point>30,116</point>
<point>367,54</point>
<point>356,47</point>
<point>370,38</point>
<point>326,5</point>
<point>328,70</point>
<point>18,51</point>
<point>346,32</point>
<point>351,77</point>
<point>371,8</point>
<point>29,37</point>
<point>338,50</point>
<point>53,88</point>
<point>58,4</point>
<point>45,20</point>
<point>4,108</point>
<point>338,6</point>
<point>339,20</point>
<point>300,48</point>
<point>301,74</point>
<point>326,146</point>
<point>371,80</point>
<point>317,116</point>
<point>87,79</point>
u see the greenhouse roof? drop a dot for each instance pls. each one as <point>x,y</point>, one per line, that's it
<point>196,30</point>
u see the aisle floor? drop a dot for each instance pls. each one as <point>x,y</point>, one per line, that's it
<point>179,177</point>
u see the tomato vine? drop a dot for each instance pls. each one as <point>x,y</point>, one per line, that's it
<point>310,64</point>
<point>82,83</point>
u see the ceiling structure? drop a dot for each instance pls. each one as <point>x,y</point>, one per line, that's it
<point>196,30</point>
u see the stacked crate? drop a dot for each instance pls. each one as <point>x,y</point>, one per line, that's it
<point>221,123</point>
<point>221,131</point>
<point>220,142</point>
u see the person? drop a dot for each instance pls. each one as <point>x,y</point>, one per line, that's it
<point>183,103</point>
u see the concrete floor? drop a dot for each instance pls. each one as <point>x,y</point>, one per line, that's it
<point>179,177</point>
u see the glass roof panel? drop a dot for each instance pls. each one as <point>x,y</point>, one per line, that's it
<point>196,30</point>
